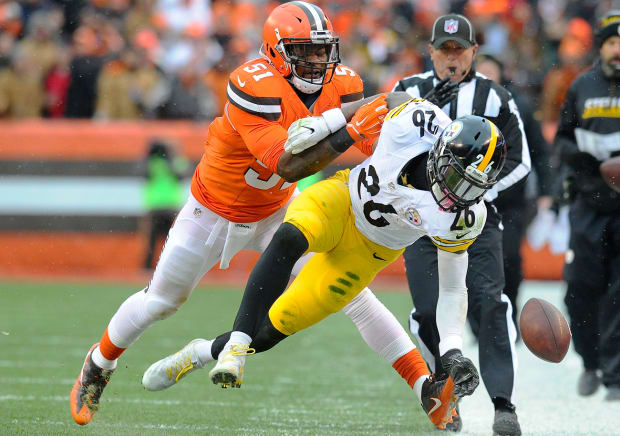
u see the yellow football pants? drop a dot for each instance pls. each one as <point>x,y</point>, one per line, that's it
<point>345,261</point>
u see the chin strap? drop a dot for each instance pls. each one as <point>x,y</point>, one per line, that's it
<point>303,86</point>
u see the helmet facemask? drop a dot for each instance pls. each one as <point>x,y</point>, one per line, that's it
<point>310,75</point>
<point>454,187</point>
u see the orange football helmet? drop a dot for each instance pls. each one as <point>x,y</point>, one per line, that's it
<point>299,40</point>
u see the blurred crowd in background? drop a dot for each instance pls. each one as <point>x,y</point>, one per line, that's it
<point>170,59</point>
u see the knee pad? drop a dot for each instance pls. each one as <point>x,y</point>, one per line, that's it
<point>157,307</point>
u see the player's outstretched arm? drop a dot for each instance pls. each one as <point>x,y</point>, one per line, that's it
<point>451,316</point>
<point>321,146</point>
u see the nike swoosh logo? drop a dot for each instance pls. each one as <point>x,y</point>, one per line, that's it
<point>359,123</point>
<point>241,84</point>
<point>462,236</point>
<point>436,406</point>
<point>309,128</point>
<point>377,257</point>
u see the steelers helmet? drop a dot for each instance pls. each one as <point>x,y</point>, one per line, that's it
<point>464,162</point>
<point>292,32</point>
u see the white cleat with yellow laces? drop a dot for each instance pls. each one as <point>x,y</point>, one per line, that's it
<point>169,370</point>
<point>229,368</point>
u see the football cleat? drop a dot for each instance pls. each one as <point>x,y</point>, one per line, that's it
<point>506,423</point>
<point>589,382</point>
<point>457,423</point>
<point>87,390</point>
<point>169,370</point>
<point>439,401</point>
<point>229,368</point>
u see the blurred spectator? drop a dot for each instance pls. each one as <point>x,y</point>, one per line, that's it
<point>572,52</point>
<point>41,41</point>
<point>7,44</point>
<point>139,17</point>
<point>21,87</point>
<point>57,85</point>
<point>189,97</point>
<point>183,17</point>
<point>380,39</point>
<point>129,87</point>
<point>163,193</point>
<point>10,17</point>
<point>92,41</point>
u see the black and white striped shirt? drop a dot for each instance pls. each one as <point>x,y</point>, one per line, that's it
<point>480,96</point>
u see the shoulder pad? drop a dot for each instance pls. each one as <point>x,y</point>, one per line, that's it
<point>256,87</point>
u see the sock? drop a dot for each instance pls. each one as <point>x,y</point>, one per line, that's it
<point>108,350</point>
<point>411,367</point>
<point>503,404</point>
<point>239,338</point>
<point>101,361</point>
<point>203,350</point>
<point>378,326</point>
<point>417,386</point>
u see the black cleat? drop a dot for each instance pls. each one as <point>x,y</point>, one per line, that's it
<point>506,423</point>
<point>87,390</point>
<point>457,423</point>
<point>589,382</point>
<point>438,400</point>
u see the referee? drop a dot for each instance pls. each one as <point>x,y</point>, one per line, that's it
<point>455,87</point>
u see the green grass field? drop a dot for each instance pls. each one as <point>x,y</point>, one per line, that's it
<point>321,381</point>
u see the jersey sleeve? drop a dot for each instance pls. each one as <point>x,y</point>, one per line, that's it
<point>254,110</point>
<point>348,84</point>
<point>461,229</point>
<point>351,89</point>
<point>452,245</point>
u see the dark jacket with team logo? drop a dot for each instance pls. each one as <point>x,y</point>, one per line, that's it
<point>588,134</point>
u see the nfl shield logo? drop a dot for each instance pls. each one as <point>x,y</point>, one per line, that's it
<point>451,26</point>
<point>197,212</point>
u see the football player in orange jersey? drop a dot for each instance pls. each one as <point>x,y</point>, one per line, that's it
<point>243,184</point>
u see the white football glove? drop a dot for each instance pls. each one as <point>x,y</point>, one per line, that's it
<point>307,132</point>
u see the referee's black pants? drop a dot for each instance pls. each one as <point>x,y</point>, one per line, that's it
<point>592,273</point>
<point>514,220</point>
<point>489,310</point>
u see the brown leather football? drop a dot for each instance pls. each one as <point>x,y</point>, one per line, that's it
<point>610,170</point>
<point>544,330</point>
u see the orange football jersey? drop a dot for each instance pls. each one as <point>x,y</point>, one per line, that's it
<point>237,175</point>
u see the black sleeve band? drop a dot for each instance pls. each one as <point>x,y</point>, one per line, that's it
<point>340,141</point>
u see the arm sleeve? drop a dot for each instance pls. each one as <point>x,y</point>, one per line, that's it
<point>265,139</point>
<point>452,301</point>
<point>518,162</point>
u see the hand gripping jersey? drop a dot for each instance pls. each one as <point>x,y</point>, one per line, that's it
<point>237,175</point>
<point>394,215</point>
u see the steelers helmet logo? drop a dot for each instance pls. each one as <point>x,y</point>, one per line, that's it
<point>452,131</point>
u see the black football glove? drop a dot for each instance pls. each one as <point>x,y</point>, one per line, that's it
<point>443,92</point>
<point>463,372</point>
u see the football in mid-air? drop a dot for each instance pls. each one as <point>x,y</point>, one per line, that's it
<point>544,330</point>
<point>610,170</point>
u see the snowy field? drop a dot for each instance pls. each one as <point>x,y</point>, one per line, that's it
<point>546,393</point>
